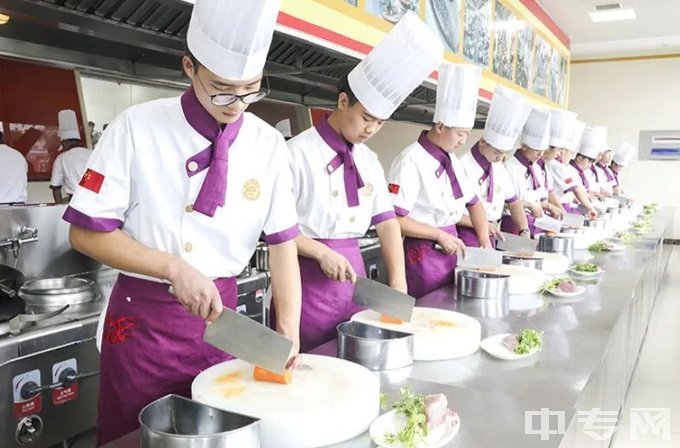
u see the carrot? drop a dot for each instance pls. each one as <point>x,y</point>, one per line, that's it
<point>390,320</point>
<point>260,374</point>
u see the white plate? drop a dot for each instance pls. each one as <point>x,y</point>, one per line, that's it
<point>493,345</point>
<point>586,274</point>
<point>615,247</point>
<point>393,422</point>
<point>579,290</point>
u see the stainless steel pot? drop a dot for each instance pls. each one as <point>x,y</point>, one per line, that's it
<point>482,285</point>
<point>373,347</point>
<point>53,293</point>
<point>556,244</point>
<point>262,257</point>
<point>595,223</point>
<point>529,262</point>
<point>177,422</point>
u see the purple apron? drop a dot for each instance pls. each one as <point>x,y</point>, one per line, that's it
<point>152,346</point>
<point>508,225</point>
<point>570,208</point>
<point>469,236</point>
<point>325,302</point>
<point>427,268</point>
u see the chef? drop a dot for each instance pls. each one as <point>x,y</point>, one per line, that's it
<point>531,183</point>
<point>13,175</point>
<point>604,174</point>
<point>430,189</point>
<point>623,156</point>
<point>177,193</point>
<point>593,140</point>
<point>340,185</point>
<point>70,164</point>
<point>561,128</point>
<point>484,166</point>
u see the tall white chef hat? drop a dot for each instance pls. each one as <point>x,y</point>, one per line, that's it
<point>284,128</point>
<point>232,38</point>
<point>457,92</point>
<point>536,132</point>
<point>68,125</point>
<point>507,115</point>
<point>593,142</point>
<point>561,127</point>
<point>624,154</point>
<point>396,66</point>
<point>576,135</point>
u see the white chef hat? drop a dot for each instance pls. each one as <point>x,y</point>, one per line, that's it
<point>232,38</point>
<point>536,132</point>
<point>68,125</point>
<point>507,115</point>
<point>561,127</point>
<point>283,127</point>
<point>396,66</point>
<point>593,142</point>
<point>576,135</point>
<point>457,93</point>
<point>624,154</point>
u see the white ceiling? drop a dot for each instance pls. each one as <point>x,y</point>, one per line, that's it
<point>655,31</point>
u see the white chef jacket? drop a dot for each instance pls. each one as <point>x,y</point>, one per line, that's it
<point>68,169</point>
<point>319,187</point>
<point>593,183</point>
<point>421,188</point>
<point>523,182</point>
<point>141,179</point>
<point>13,176</point>
<point>566,180</point>
<point>504,189</point>
<point>606,185</point>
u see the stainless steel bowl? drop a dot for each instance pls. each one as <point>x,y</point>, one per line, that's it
<point>262,257</point>
<point>177,422</point>
<point>556,244</point>
<point>53,293</point>
<point>482,285</point>
<point>373,347</point>
<point>595,223</point>
<point>529,262</point>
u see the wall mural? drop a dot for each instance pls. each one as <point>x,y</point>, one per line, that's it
<point>477,31</point>
<point>541,67</point>
<point>558,77</point>
<point>391,10</point>
<point>505,39</point>
<point>525,44</point>
<point>443,16</point>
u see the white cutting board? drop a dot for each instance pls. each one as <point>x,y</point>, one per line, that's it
<point>523,280</point>
<point>330,400</point>
<point>552,263</point>
<point>438,334</point>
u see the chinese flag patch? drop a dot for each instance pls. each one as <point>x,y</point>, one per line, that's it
<point>92,180</point>
<point>570,180</point>
<point>393,188</point>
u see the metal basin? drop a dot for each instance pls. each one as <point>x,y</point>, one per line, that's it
<point>53,293</point>
<point>556,244</point>
<point>177,422</point>
<point>373,347</point>
<point>574,231</point>
<point>595,223</point>
<point>482,285</point>
<point>529,262</point>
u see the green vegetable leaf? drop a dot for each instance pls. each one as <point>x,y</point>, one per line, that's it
<point>529,340</point>
<point>383,401</point>
<point>550,285</point>
<point>598,247</point>
<point>586,267</point>
<point>411,406</point>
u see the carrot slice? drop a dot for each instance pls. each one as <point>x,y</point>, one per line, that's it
<point>390,320</point>
<point>260,374</point>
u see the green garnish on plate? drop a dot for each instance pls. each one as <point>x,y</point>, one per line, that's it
<point>411,406</point>
<point>586,267</point>
<point>528,341</point>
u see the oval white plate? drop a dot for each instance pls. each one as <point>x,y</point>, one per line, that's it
<point>493,345</point>
<point>579,290</point>
<point>393,422</point>
<point>586,274</point>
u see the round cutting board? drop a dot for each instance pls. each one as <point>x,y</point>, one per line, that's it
<point>438,334</point>
<point>329,400</point>
<point>523,280</point>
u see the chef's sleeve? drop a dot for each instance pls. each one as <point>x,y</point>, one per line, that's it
<point>404,185</point>
<point>281,224</point>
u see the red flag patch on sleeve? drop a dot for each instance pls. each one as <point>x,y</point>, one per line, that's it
<point>393,188</point>
<point>570,180</point>
<point>92,180</point>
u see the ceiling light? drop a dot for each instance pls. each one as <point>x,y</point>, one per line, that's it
<point>4,18</point>
<point>613,15</point>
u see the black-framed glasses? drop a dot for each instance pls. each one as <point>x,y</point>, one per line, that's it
<point>227,99</point>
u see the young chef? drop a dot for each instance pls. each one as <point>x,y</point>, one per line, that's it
<point>70,164</point>
<point>484,165</point>
<point>604,174</point>
<point>562,124</point>
<point>430,189</point>
<point>177,193</point>
<point>340,185</point>
<point>530,180</point>
<point>13,175</point>
<point>593,140</point>
<point>623,156</point>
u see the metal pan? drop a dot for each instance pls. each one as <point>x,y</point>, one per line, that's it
<point>556,244</point>
<point>373,347</point>
<point>482,285</point>
<point>529,262</point>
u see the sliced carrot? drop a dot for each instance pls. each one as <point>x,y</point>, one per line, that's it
<point>260,374</point>
<point>390,320</point>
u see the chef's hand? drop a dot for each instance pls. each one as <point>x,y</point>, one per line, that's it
<point>197,293</point>
<point>554,211</point>
<point>495,232</point>
<point>592,213</point>
<point>450,244</point>
<point>337,267</point>
<point>486,244</point>
<point>295,357</point>
<point>535,210</point>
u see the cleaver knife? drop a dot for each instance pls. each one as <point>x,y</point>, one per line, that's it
<point>548,224</point>
<point>517,244</point>
<point>573,220</point>
<point>383,299</point>
<point>476,258</point>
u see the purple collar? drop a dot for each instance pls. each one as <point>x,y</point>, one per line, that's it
<point>581,173</point>
<point>488,170</point>
<point>530,169</point>
<point>215,157</point>
<point>444,163</point>
<point>607,172</point>
<point>344,150</point>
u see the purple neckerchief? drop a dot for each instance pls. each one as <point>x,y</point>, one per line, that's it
<point>594,171</point>
<point>581,173</point>
<point>215,157</point>
<point>616,178</point>
<point>530,169</point>
<point>541,163</point>
<point>344,150</point>
<point>444,160</point>
<point>607,172</point>
<point>488,170</point>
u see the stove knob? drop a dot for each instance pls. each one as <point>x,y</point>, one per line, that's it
<point>29,430</point>
<point>29,390</point>
<point>67,377</point>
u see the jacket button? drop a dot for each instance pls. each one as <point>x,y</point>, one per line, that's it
<point>189,208</point>
<point>335,193</point>
<point>352,219</point>
<point>188,247</point>
<point>193,166</point>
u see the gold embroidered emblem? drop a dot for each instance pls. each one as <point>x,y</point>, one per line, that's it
<point>251,190</point>
<point>367,190</point>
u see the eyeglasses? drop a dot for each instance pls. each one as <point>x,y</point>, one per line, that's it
<point>227,99</point>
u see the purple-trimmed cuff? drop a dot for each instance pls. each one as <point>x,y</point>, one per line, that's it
<point>80,219</point>
<point>401,211</point>
<point>473,201</point>
<point>55,187</point>
<point>283,236</point>
<point>382,217</point>
<point>572,188</point>
<point>512,200</point>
